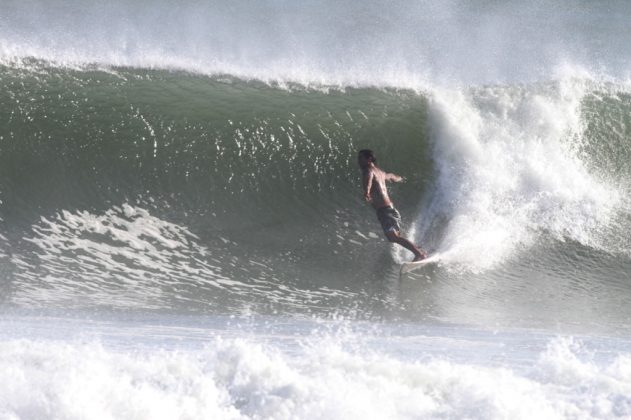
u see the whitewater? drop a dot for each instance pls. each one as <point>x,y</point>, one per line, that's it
<point>183,234</point>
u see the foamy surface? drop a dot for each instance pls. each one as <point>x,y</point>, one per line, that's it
<point>267,368</point>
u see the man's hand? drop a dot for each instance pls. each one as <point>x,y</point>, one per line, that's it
<point>367,197</point>
<point>394,178</point>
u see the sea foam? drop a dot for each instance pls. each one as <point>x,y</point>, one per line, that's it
<point>510,167</point>
<point>238,378</point>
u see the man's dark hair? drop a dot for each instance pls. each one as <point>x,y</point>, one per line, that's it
<point>368,154</point>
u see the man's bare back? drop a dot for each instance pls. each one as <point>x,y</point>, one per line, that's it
<point>375,191</point>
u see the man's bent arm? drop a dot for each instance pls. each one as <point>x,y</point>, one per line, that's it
<point>368,177</point>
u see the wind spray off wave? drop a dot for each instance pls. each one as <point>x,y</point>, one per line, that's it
<point>413,45</point>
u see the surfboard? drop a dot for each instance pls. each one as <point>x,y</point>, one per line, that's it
<point>410,266</point>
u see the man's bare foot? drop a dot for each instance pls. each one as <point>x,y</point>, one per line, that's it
<point>421,256</point>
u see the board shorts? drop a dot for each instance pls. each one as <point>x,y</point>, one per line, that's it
<point>390,219</point>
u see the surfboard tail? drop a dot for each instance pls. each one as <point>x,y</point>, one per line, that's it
<point>414,265</point>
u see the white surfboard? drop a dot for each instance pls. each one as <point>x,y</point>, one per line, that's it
<point>409,266</point>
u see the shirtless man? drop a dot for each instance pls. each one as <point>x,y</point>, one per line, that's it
<point>376,193</point>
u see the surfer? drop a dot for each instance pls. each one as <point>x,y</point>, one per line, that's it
<point>376,193</point>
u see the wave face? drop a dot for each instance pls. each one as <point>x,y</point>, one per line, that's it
<point>213,168</point>
<point>191,183</point>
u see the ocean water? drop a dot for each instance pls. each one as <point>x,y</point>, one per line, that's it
<point>183,234</point>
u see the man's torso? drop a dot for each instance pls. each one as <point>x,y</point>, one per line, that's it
<point>379,192</point>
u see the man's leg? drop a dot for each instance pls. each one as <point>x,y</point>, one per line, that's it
<point>395,237</point>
